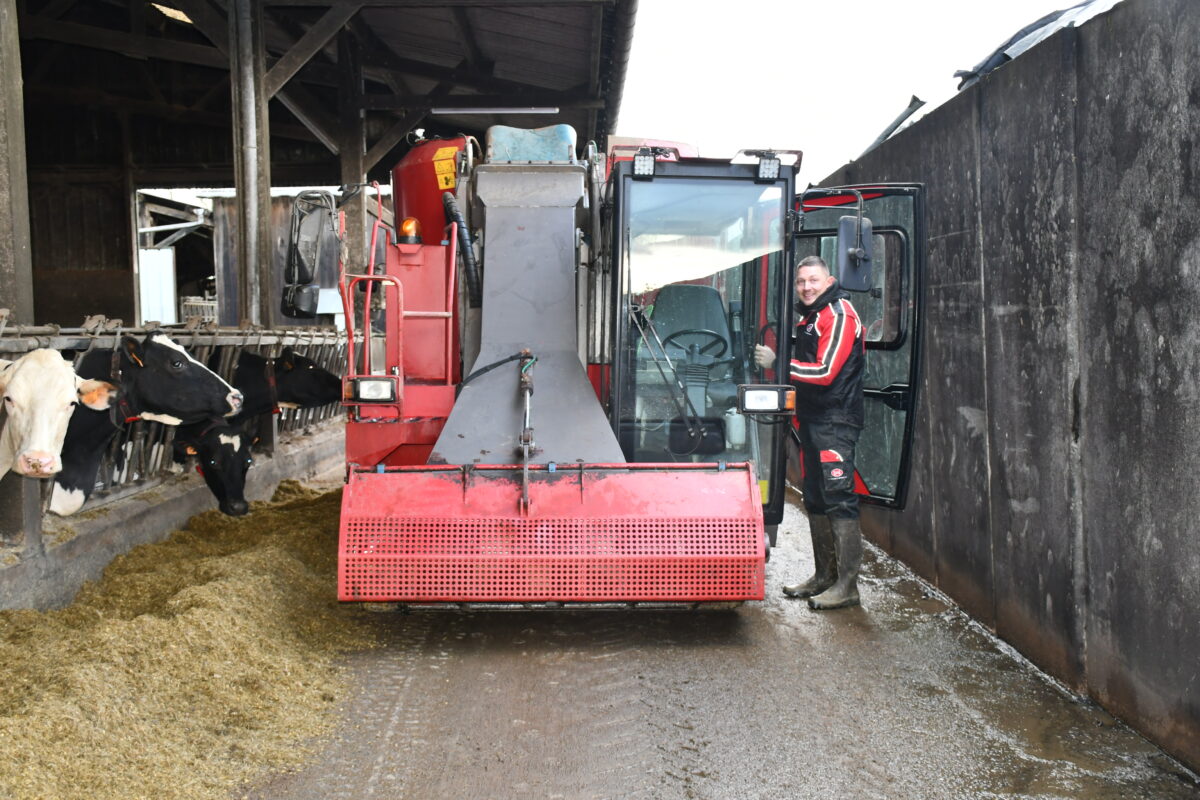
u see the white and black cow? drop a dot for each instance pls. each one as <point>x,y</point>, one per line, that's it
<point>158,381</point>
<point>222,447</point>
<point>223,458</point>
<point>40,391</point>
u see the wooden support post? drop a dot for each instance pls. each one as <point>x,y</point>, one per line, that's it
<point>252,161</point>
<point>353,148</point>
<point>16,265</point>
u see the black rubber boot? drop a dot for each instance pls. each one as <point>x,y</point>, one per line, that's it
<point>823,555</point>
<point>847,539</point>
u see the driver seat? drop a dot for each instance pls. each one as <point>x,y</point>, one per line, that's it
<point>684,306</point>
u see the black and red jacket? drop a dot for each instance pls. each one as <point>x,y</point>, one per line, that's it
<point>827,360</point>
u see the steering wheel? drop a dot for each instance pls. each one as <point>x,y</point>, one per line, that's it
<point>717,339</point>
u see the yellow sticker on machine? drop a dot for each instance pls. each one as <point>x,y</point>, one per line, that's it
<point>445,169</point>
<point>765,488</point>
<point>445,152</point>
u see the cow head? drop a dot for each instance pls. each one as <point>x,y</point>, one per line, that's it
<point>170,386</point>
<point>40,392</point>
<point>302,383</point>
<point>223,453</point>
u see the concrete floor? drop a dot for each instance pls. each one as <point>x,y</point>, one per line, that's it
<point>904,697</point>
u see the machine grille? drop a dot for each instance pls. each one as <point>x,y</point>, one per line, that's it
<point>431,559</point>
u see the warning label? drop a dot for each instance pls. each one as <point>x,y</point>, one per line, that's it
<point>444,152</point>
<point>445,170</point>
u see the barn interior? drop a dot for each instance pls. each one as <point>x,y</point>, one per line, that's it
<point>116,97</point>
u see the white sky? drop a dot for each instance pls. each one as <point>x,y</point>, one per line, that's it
<point>820,76</point>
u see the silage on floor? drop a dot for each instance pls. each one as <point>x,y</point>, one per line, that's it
<point>192,666</point>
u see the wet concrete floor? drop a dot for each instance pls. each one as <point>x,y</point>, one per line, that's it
<point>902,698</point>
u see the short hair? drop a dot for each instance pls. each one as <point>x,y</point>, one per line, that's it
<point>813,261</point>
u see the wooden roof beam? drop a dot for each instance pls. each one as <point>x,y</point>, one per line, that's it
<point>316,37</point>
<point>33,27</point>
<point>466,35</point>
<point>295,98</point>
<point>383,102</point>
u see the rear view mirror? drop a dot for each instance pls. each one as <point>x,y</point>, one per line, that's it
<point>854,253</point>
<point>313,238</point>
<point>300,302</point>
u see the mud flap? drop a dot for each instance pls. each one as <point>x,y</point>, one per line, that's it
<point>646,532</point>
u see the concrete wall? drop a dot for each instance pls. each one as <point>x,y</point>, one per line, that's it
<point>1054,490</point>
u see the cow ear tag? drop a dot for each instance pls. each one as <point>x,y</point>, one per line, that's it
<point>191,451</point>
<point>131,348</point>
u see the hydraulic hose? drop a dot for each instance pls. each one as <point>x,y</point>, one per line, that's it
<point>474,286</point>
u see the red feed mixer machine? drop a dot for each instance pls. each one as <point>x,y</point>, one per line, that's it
<point>551,390</point>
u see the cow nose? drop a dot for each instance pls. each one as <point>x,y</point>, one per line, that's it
<point>238,507</point>
<point>234,399</point>
<point>35,463</point>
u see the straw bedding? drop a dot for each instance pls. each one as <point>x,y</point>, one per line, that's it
<point>192,666</point>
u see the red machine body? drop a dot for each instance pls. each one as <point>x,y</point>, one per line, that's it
<point>418,533</point>
<point>429,169</point>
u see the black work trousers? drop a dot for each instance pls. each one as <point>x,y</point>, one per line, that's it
<point>827,454</point>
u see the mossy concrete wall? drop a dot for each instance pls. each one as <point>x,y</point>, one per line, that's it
<point>1055,491</point>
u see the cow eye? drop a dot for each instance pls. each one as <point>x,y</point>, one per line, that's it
<point>176,364</point>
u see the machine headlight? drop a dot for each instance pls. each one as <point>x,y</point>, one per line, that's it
<point>375,390</point>
<point>766,399</point>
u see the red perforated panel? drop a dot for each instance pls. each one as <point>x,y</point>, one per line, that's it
<point>561,549</point>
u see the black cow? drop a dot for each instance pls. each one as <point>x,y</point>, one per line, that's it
<point>223,457</point>
<point>222,447</point>
<point>299,383</point>
<point>158,381</point>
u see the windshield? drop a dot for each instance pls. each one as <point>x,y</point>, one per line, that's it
<point>702,261</point>
<point>689,230</point>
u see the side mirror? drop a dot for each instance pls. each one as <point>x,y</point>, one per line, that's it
<point>300,302</point>
<point>855,258</point>
<point>313,238</point>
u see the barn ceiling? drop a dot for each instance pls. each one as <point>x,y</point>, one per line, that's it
<point>448,66</point>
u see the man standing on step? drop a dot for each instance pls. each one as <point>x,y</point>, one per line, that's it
<point>827,370</point>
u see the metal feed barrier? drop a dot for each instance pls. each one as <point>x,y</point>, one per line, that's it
<point>140,457</point>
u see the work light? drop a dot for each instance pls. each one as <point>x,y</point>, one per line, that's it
<point>766,399</point>
<point>643,164</point>
<point>768,168</point>
<point>375,390</point>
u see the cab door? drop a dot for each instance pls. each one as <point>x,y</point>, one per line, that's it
<point>891,311</point>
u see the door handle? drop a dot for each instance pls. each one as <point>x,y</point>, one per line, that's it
<point>895,395</point>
